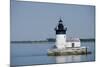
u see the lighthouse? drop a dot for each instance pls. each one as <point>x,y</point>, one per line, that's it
<point>60,31</point>
<point>66,45</point>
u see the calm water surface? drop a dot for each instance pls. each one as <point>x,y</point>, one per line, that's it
<point>36,53</point>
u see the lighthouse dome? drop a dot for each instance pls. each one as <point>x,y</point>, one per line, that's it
<point>60,29</point>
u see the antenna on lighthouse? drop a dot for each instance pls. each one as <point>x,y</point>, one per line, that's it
<point>60,21</point>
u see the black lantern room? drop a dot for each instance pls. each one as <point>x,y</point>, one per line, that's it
<point>60,29</point>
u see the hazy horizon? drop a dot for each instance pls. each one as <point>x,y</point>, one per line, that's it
<point>36,21</point>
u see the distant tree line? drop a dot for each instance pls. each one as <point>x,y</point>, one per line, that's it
<point>48,40</point>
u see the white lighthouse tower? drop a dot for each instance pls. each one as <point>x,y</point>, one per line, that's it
<point>60,35</point>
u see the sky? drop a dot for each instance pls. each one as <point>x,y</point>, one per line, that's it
<point>36,20</point>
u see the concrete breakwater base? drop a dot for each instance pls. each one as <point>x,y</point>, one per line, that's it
<point>68,51</point>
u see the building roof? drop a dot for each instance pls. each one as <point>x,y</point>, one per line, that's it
<point>72,40</point>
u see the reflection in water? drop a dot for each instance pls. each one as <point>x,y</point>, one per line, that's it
<point>71,58</point>
<point>36,53</point>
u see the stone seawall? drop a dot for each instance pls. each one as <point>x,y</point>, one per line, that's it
<point>68,51</point>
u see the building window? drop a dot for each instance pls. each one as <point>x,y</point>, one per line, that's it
<point>73,45</point>
<point>64,36</point>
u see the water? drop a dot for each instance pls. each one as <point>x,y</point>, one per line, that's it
<point>36,53</point>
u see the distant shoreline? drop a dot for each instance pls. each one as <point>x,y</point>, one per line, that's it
<point>48,40</point>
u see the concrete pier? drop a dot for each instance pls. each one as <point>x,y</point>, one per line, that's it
<point>68,51</point>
